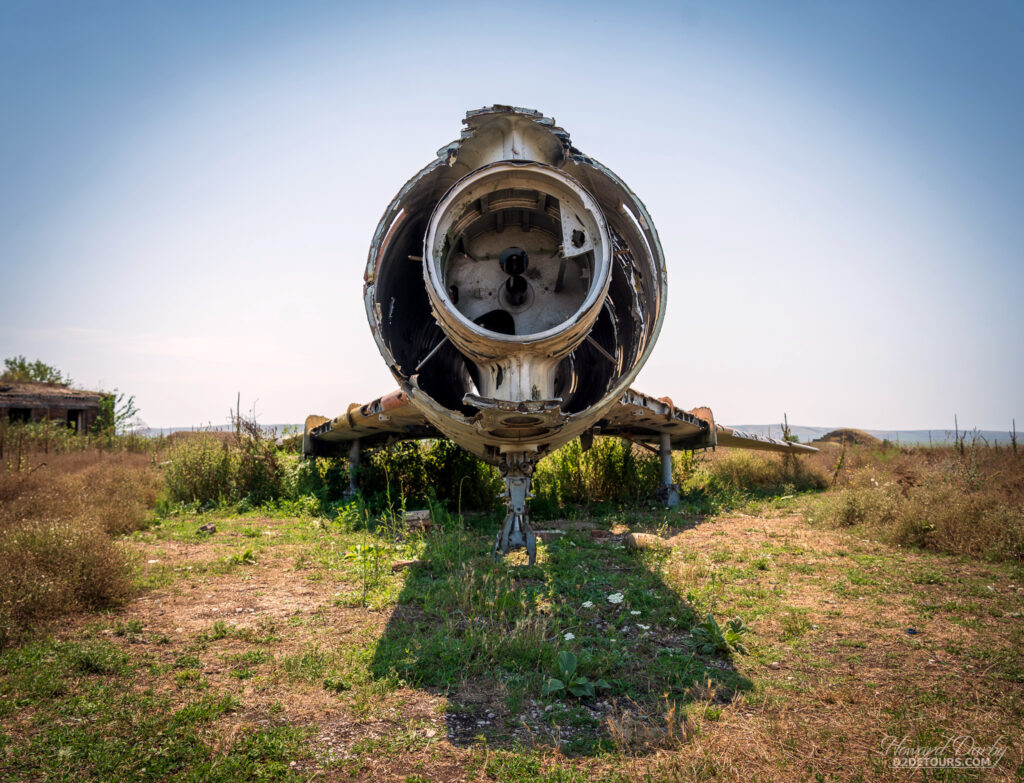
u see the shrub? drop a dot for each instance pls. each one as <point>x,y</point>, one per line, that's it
<point>259,469</point>
<point>324,478</point>
<point>200,470</point>
<point>397,471</point>
<point>429,471</point>
<point>612,470</point>
<point>56,554</point>
<point>460,479</point>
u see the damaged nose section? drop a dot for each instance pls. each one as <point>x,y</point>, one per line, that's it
<point>515,288</point>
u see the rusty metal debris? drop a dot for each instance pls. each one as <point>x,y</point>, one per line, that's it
<point>515,287</point>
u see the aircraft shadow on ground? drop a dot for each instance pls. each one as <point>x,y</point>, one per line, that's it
<point>487,634</point>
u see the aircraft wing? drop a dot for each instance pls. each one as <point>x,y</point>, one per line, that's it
<point>384,420</point>
<point>635,416</point>
<point>641,418</point>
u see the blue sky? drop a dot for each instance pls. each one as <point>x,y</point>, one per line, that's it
<point>188,191</point>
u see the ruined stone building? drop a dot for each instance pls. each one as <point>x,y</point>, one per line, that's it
<point>22,402</point>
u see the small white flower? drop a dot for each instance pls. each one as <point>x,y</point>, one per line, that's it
<point>643,627</point>
<point>588,604</point>
<point>615,598</point>
<point>568,636</point>
<point>635,612</point>
<point>671,619</point>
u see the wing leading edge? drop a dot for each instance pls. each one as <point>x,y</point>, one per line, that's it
<point>645,419</point>
<point>385,420</point>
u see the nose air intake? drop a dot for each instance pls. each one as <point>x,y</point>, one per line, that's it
<point>528,252</point>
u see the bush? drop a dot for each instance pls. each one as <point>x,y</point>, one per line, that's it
<point>613,470</point>
<point>200,470</point>
<point>56,554</point>
<point>397,471</point>
<point>324,478</point>
<point>260,470</point>
<point>216,468</point>
<point>51,567</point>
<point>422,472</point>
<point>461,480</point>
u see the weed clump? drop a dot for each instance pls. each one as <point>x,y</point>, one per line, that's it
<point>612,470</point>
<point>56,523</point>
<point>199,470</point>
<point>52,567</point>
<point>936,499</point>
<point>215,468</point>
<point>423,472</point>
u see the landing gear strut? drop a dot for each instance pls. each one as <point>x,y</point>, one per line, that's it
<point>516,533</point>
<point>668,492</point>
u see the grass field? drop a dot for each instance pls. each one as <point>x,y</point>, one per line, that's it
<point>283,646</point>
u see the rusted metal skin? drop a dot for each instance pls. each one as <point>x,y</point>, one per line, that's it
<point>636,416</point>
<point>385,420</point>
<point>570,353</point>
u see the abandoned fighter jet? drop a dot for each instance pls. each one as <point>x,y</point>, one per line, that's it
<point>515,287</point>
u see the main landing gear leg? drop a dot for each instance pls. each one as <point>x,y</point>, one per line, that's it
<point>516,533</point>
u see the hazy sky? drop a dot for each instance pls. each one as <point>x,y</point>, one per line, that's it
<point>188,191</point>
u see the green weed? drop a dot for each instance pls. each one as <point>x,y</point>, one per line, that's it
<point>568,681</point>
<point>709,638</point>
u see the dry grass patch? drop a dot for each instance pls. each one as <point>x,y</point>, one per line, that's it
<point>969,503</point>
<point>842,664</point>
<point>56,520</point>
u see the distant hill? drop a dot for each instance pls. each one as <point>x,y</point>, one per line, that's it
<point>904,437</point>
<point>858,437</point>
